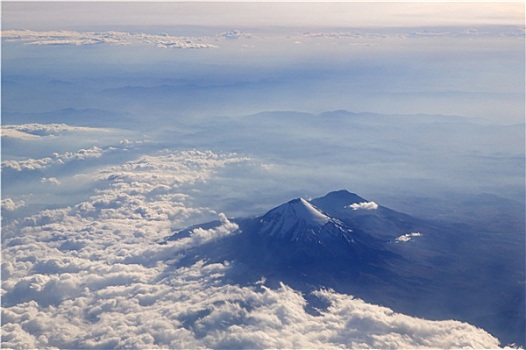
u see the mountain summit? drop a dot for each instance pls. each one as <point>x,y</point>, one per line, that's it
<point>299,220</point>
<point>299,236</point>
<point>296,211</point>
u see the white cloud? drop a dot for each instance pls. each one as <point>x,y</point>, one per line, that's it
<point>369,326</point>
<point>10,205</point>
<point>235,34</point>
<point>363,206</point>
<point>407,237</point>
<point>94,275</point>
<point>64,37</point>
<point>56,159</point>
<point>175,249</point>
<point>28,164</point>
<point>191,307</point>
<point>50,180</point>
<point>17,134</point>
<point>224,229</point>
<point>33,131</point>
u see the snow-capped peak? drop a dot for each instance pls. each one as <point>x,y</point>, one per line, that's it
<point>295,220</point>
<point>303,210</point>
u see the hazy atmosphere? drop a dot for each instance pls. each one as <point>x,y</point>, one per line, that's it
<point>145,145</point>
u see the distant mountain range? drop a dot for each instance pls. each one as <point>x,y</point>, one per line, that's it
<point>352,245</point>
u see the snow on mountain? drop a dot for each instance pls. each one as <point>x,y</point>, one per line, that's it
<point>293,220</point>
<point>299,220</point>
<point>300,209</point>
<point>329,220</point>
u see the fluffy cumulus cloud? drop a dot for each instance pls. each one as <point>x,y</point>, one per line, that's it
<point>63,37</point>
<point>55,159</point>
<point>363,206</point>
<point>64,269</point>
<point>100,274</point>
<point>193,307</point>
<point>95,275</point>
<point>10,205</point>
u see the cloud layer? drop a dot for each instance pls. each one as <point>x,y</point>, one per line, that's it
<point>55,159</point>
<point>95,305</point>
<point>65,37</point>
<point>99,274</point>
<point>37,130</point>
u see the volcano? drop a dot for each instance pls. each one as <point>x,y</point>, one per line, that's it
<point>345,242</point>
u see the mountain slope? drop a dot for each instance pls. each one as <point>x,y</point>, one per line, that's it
<point>296,220</point>
<point>298,236</point>
<point>347,243</point>
<point>376,220</point>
